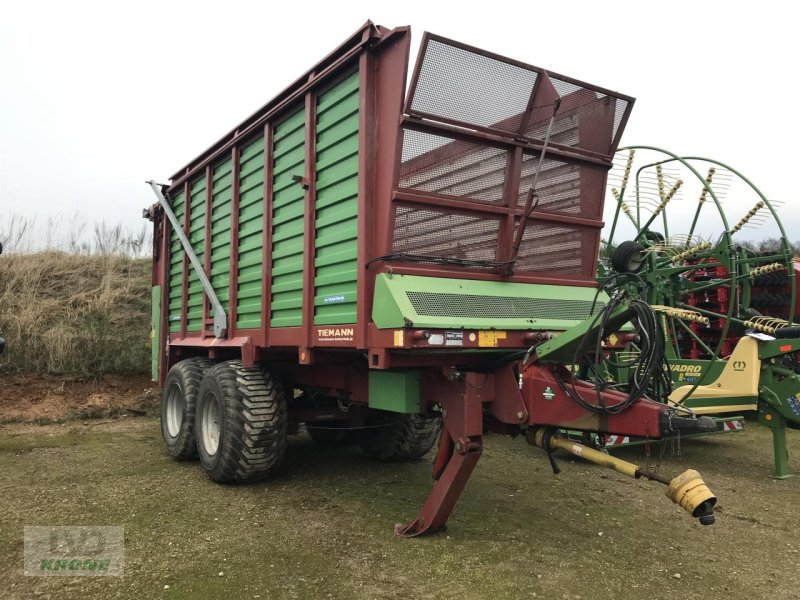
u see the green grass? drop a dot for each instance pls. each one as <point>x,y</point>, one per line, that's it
<point>323,527</point>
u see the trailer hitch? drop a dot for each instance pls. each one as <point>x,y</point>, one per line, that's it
<point>539,408</point>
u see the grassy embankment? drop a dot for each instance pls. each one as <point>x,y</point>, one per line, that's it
<point>74,314</point>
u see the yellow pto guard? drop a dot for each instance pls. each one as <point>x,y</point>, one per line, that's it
<point>688,490</point>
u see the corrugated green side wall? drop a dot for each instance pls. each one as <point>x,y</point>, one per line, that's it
<point>221,230</point>
<point>251,234</point>
<point>197,235</point>
<point>175,267</point>
<point>336,208</point>
<point>287,221</point>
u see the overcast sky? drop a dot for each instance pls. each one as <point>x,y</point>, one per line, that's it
<point>96,97</point>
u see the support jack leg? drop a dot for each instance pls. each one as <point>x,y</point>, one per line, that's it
<point>459,450</point>
<point>781,452</point>
<point>777,424</point>
<point>446,491</point>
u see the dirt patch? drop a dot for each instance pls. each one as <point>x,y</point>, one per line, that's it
<point>43,399</point>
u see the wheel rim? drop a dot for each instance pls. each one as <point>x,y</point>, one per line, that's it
<point>209,425</point>
<point>174,410</point>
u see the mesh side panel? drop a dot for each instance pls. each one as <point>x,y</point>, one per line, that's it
<point>564,88</point>
<point>558,185</point>
<point>466,86</point>
<point>586,119</point>
<point>564,132</point>
<point>441,232</point>
<point>432,304</point>
<point>619,111</point>
<point>556,249</point>
<point>434,163</point>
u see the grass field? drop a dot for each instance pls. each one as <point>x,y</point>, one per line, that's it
<point>323,527</point>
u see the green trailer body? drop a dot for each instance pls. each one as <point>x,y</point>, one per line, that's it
<point>340,218</point>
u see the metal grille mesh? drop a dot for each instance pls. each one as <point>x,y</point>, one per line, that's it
<point>441,232</point>
<point>472,90</point>
<point>619,111</point>
<point>433,304</point>
<point>558,185</point>
<point>433,163</point>
<point>466,86</point>
<point>549,248</point>
<point>586,119</point>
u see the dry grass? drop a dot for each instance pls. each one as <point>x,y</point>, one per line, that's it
<point>78,314</point>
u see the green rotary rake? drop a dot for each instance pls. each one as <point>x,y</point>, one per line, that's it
<point>726,310</point>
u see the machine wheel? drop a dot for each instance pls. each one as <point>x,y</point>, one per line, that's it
<point>179,404</point>
<point>394,437</point>
<point>330,434</point>
<point>628,257</point>
<point>242,423</point>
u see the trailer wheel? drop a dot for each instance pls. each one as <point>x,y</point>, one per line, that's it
<point>394,437</point>
<point>179,404</point>
<point>242,423</point>
<point>330,434</point>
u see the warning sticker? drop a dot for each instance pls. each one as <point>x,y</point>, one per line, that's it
<point>453,338</point>
<point>398,337</point>
<point>488,339</point>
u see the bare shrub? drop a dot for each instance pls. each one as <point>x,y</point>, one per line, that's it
<point>71,233</point>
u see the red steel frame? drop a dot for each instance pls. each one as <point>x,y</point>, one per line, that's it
<point>381,56</point>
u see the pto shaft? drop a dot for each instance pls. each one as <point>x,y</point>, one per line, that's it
<point>688,489</point>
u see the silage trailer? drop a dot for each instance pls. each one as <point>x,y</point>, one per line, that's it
<point>384,268</point>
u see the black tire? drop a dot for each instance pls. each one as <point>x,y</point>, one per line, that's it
<point>330,433</point>
<point>394,437</point>
<point>250,404</point>
<point>177,431</point>
<point>628,257</point>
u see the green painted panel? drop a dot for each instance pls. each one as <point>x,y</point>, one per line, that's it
<point>288,211</point>
<point>336,204</point>
<point>251,235</point>
<point>442,303</point>
<point>221,202</point>
<point>397,391</point>
<point>197,235</point>
<point>174,285</point>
